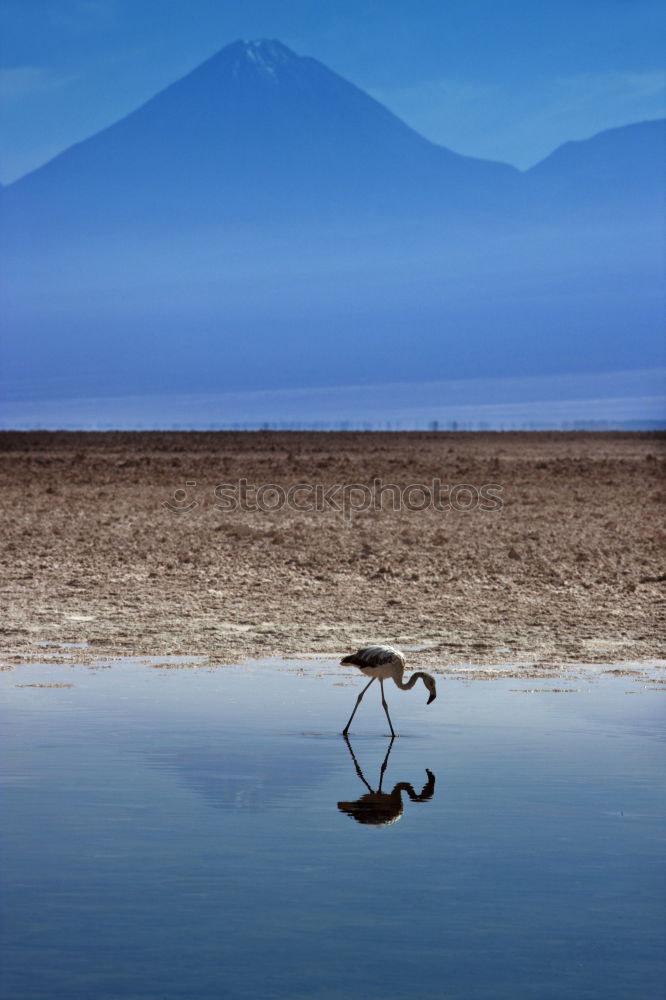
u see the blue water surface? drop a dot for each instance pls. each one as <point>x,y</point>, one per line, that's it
<point>197,834</point>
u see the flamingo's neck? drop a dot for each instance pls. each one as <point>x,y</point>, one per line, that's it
<point>406,686</point>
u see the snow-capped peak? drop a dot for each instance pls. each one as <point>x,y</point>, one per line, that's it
<point>265,54</point>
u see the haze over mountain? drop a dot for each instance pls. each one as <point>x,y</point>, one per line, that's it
<point>255,134</point>
<point>263,223</point>
<point>621,171</point>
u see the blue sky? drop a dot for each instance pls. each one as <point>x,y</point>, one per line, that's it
<point>503,79</point>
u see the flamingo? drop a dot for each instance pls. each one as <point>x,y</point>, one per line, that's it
<point>385,663</point>
<point>381,808</point>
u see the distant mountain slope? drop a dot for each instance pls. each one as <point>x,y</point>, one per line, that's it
<point>258,137</point>
<point>264,223</point>
<point>623,169</point>
<point>255,134</point>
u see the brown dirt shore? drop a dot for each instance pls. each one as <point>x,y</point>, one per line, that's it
<point>568,568</point>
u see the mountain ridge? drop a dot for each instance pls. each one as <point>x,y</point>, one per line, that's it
<point>255,135</point>
<point>246,52</point>
<point>263,218</point>
<point>237,61</point>
<point>258,135</point>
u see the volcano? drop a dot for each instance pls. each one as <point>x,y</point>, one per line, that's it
<point>263,222</point>
<point>255,134</point>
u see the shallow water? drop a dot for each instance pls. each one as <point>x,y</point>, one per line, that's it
<point>198,834</point>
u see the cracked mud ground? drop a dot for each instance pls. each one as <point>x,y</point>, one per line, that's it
<point>570,569</point>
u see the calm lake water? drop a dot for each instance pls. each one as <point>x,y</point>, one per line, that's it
<point>203,834</point>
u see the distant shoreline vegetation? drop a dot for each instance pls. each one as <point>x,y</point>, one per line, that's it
<point>627,401</point>
<point>343,426</point>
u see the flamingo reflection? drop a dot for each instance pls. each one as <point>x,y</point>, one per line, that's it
<point>379,808</point>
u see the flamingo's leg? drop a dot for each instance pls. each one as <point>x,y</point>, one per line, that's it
<point>385,706</point>
<point>358,702</point>
<point>357,766</point>
<point>385,764</point>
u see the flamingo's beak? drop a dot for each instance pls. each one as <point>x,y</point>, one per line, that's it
<point>433,695</point>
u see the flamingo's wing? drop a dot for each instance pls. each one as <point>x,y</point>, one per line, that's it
<point>373,656</point>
